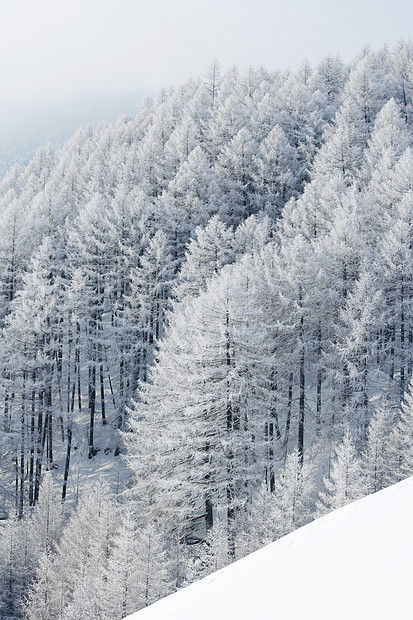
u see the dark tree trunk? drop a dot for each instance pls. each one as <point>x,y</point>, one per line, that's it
<point>402,340</point>
<point>22,458</point>
<point>32,448</point>
<point>92,407</point>
<point>48,409</point>
<point>301,411</point>
<point>67,461</point>
<point>40,450</point>
<point>289,411</point>
<point>102,394</point>
<point>319,382</point>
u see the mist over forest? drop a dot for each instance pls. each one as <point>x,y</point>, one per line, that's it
<point>23,129</point>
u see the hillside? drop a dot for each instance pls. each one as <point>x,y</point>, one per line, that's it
<point>355,562</point>
<point>206,330</point>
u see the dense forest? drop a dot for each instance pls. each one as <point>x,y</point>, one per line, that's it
<point>207,330</point>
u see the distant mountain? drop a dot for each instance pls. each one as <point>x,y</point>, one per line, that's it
<point>355,562</point>
<point>24,129</point>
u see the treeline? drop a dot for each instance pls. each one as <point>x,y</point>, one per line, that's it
<point>221,288</point>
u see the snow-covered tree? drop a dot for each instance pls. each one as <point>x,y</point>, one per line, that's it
<point>400,447</point>
<point>210,249</point>
<point>74,574</point>
<point>346,482</point>
<point>376,457</point>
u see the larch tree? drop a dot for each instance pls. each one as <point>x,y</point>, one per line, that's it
<point>400,440</point>
<point>235,171</point>
<point>277,176</point>
<point>78,563</point>
<point>148,301</point>
<point>346,482</point>
<point>207,252</point>
<point>376,458</point>
<point>33,336</point>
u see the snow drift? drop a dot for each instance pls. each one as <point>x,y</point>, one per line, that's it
<point>355,562</point>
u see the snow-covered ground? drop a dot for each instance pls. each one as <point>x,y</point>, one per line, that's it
<point>355,563</point>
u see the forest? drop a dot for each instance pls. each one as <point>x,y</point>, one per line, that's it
<point>206,330</point>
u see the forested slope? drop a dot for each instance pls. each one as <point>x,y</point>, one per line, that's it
<point>220,290</point>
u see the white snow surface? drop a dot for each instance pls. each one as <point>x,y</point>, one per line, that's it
<point>354,563</point>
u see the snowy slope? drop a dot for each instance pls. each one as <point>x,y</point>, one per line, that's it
<point>354,563</point>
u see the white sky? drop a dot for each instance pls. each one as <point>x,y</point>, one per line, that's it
<point>52,50</point>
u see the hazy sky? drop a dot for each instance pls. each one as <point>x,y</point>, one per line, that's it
<point>51,50</point>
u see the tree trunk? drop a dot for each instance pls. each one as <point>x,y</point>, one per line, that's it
<point>288,420</point>
<point>319,382</point>
<point>102,394</point>
<point>301,411</point>
<point>22,455</point>
<point>32,447</point>
<point>92,407</point>
<point>402,340</point>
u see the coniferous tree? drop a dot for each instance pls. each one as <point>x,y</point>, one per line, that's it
<point>74,574</point>
<point>214,552</point>
<point>206,254</point>
<point>32,345</point>
<point>376,457</point>
<point>148,301</point>
<point>346,482</point>
<point>400,440</point>
<point>122,589</point>
<point>277,176</point>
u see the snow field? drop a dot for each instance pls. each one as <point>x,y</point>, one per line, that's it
<point>353,563</point>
